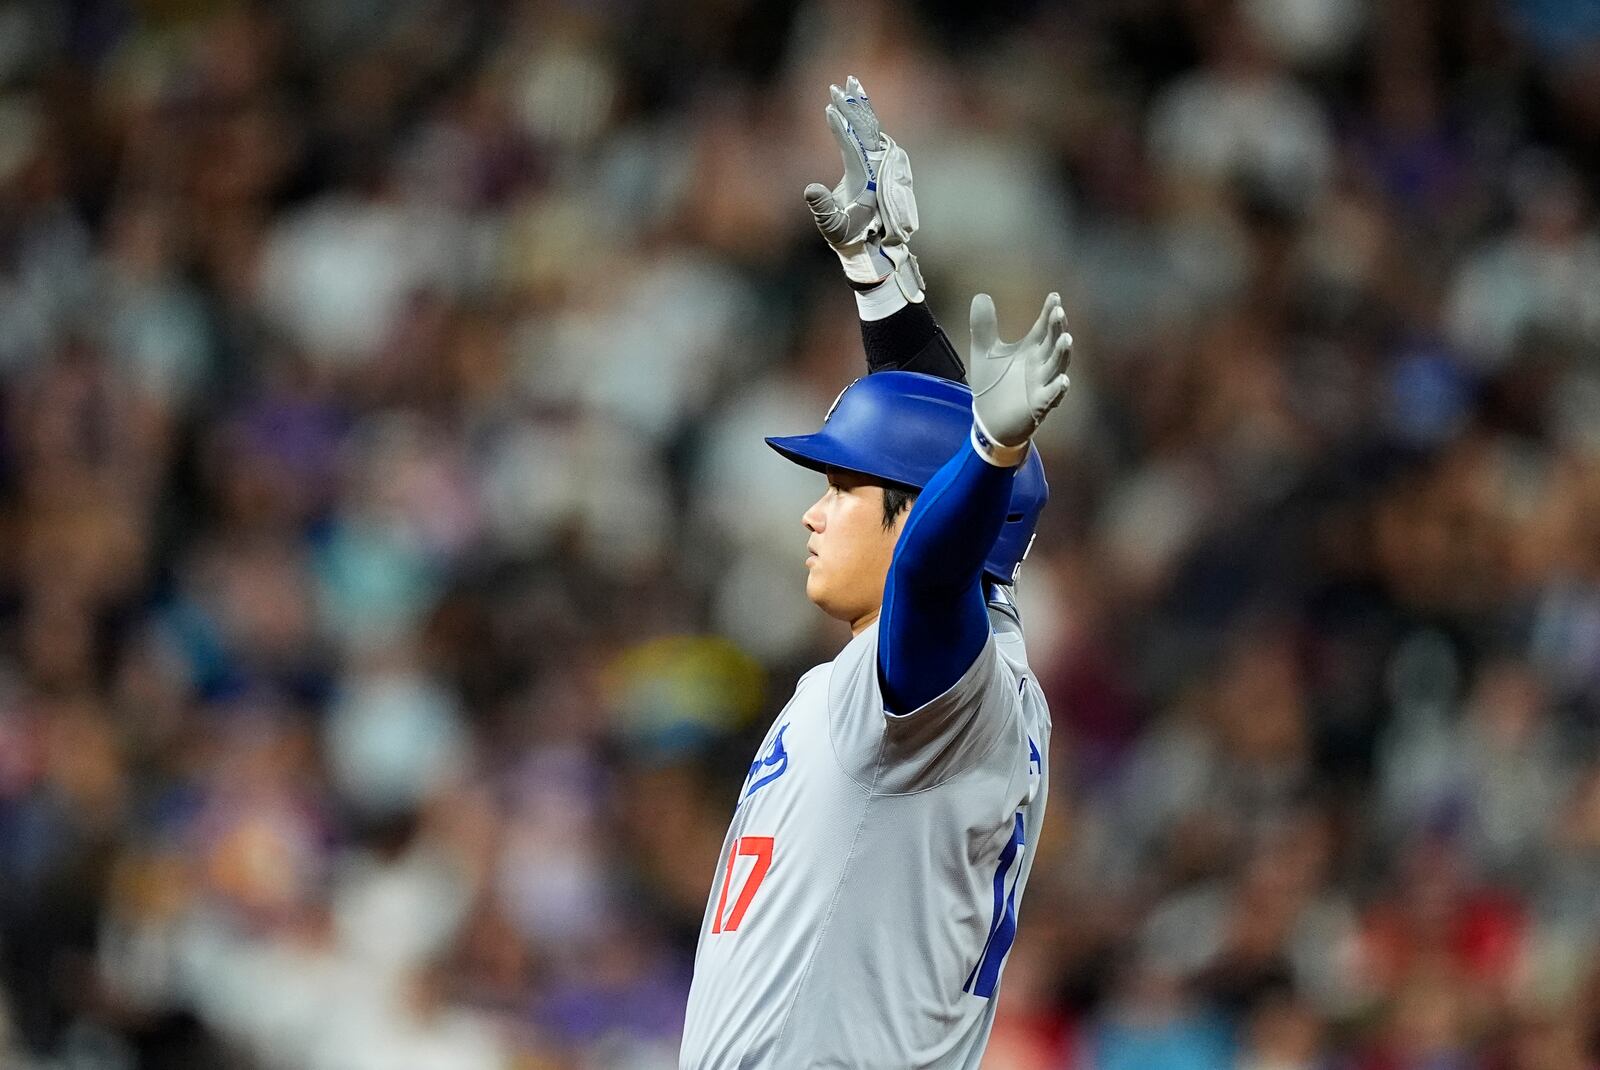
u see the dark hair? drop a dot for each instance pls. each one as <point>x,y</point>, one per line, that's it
<point>896,500</point>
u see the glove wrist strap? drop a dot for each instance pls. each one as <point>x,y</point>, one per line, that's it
<point>996,453</point>
<point>880,302</point>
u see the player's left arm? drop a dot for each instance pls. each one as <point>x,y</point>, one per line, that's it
<point>935,622</point>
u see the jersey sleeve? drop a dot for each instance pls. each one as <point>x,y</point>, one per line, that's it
<point>889,753</point>
<point>933,620</point>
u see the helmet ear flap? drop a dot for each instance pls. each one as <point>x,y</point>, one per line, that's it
<point>1029,493</point>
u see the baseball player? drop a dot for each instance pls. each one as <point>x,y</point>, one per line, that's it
<point>867,892</point>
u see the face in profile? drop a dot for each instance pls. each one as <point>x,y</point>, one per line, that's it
<point>849,549</point>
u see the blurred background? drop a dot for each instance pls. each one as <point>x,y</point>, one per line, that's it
<point>394,585</point>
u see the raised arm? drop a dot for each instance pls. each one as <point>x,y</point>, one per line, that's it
<point>868,219</point>
<point>934,622</point>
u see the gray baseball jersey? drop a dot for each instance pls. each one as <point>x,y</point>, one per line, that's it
<point>868,888</point>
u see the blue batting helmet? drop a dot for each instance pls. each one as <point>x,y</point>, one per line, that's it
<point>901,427</point>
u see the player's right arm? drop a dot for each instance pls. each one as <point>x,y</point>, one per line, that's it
<point>868,219</point>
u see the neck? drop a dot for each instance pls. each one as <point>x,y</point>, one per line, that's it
<point>862,623</point>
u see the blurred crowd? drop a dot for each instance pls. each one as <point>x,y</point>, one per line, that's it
<point>394,585</point>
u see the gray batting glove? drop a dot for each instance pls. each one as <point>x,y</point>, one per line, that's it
<point>1015,384</point>
<point>869,216</point>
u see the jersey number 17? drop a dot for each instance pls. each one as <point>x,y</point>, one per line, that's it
<point>759,848</point>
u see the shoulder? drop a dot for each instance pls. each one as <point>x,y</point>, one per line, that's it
<point>896,753</point>
<point>854,682</point>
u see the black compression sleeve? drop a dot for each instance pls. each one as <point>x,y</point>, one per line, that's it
<point>911,340</point>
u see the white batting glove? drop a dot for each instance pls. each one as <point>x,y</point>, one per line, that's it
<point>868,217</point>
<point>1015,384</point>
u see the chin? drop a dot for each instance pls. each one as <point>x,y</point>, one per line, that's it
<point>818,593</point>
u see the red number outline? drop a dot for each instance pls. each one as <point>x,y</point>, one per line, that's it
<point>758,847</point>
